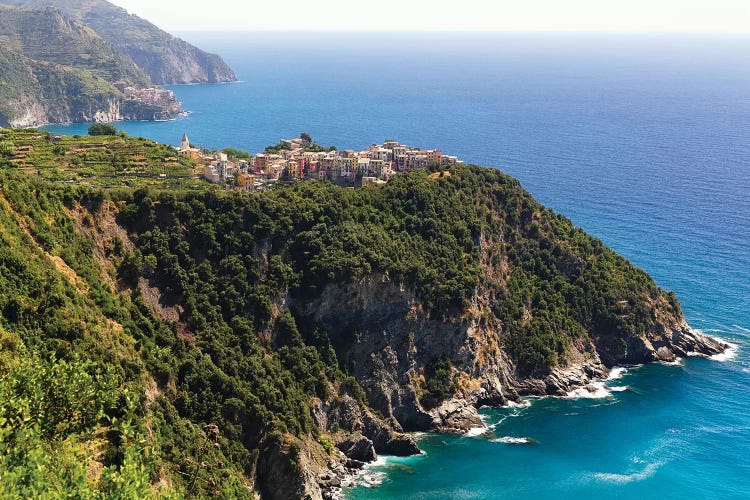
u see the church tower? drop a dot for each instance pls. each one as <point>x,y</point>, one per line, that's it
<point>185,144</point>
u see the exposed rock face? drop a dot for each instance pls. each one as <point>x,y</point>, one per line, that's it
<point>346,414</point>
<point>280,478</point>
<point>382,336</point>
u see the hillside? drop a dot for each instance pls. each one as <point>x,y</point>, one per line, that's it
<point>58,70</point>
<point>100,161</point>
<point>165,59</point>
<point>48,36</point>
<point>214,343</point>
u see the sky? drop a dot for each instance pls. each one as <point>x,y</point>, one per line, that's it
<point>680,16</point>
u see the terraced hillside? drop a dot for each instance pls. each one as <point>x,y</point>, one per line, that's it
<point>103,161</point>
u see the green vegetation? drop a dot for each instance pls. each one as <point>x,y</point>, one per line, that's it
<point>98,160</point>
<point>439,383</point>
<point>102,129</point>
<point>420,230</point>
<point>101,396</point>
<point>240,154</point>
<point>163,57</point>
<point>308,145</point>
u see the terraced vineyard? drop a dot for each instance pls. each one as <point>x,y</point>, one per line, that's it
<point>102,161</point>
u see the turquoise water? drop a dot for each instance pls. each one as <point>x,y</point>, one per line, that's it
<point>644,141</point>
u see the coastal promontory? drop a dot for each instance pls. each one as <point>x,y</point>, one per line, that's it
<point>80,62</point>
<point>166,336</point>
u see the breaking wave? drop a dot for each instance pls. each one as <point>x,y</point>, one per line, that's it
<point>594,390</point>
<point>617,372</point>
<point>476,431</point>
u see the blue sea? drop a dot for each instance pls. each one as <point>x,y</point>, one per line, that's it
<point>643,140</point>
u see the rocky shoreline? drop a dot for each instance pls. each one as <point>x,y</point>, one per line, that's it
<point>460,414</point>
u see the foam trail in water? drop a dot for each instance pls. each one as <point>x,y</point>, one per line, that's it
<point>727,355</point>
<point>512,440</point>
<point>677,361</point>
<point>525,403</point>
<point>368,477</point>
<point>647,472</point>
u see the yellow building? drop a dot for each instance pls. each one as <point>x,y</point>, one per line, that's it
<point>246,182</point>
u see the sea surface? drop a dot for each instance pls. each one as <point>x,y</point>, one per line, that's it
<point>643,140</point>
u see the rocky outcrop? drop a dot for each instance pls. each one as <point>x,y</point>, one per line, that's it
<point>347,415</point>
<point>424,370</point>
<point>381,334</point>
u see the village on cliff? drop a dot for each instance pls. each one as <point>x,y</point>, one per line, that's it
<point>301,158</point>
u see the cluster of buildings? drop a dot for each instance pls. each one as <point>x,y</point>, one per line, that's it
<point>298,159</point>
<point>145,103</point>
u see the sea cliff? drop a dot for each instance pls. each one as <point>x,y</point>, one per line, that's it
<point>272,343</point>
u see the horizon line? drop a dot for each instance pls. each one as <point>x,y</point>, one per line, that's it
<point>459,31</point>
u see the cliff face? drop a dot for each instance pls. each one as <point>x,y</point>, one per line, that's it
<point>396,343</point>
<point>70,61</point>
<point>166,59</point>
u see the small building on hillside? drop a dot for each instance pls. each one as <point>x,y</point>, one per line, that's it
<point>186,149</point>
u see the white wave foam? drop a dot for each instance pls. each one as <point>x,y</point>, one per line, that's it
<point>647,472</point>
<point>512,440</point>
<point>476,431</point>
<point>372,480</point>
<point>369,476</point>
<point>742,328</point>
<point>677,361</point>
<point>746,370</point>
<point>594,390</point>
<point>619,388</point>
<point>525,403</point>
<point>729,354</point>
<point>617,372</point>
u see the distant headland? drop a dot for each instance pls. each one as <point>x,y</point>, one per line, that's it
<point>103,65</point>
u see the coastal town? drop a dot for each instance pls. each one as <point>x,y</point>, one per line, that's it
<point>301,158</point>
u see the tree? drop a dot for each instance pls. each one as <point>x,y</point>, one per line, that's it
<point>102,129</point>
<point>307,138</point>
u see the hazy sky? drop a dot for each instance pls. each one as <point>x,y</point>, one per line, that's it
<point>704,16</point>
